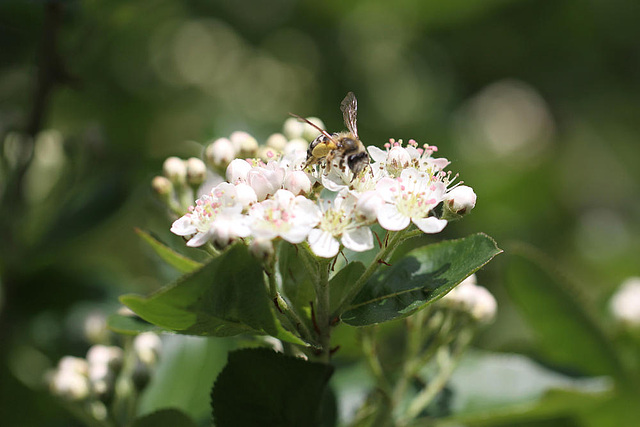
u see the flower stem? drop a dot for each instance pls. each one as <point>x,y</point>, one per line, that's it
<point>323,320</point>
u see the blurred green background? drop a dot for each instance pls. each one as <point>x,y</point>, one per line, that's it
<point>535,103</point>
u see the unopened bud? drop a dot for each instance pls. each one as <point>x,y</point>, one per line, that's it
<point>262,249</point>
<point>460,200</point>
<point>162,187</point>
<point>237,171</point>
<point>70,380</point>
<point>95,325</point>
<point>175,169</point>
<point>267,154</point>
<point>485,307</point>
<point>293,128</point>
<point>297,182</point>
<point>220,152</point>
<point>625,303</point>
<point>277,141</point>
<point>196,171</point>
<point>296,145</point>
<point>147,347</point>
<point>110,356</point>
<point>244,143</point>
<point>310,133</point>
<point>245,195</point>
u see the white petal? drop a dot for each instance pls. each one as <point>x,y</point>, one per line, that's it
<point>183,226</point>
<point>377,154</point>
<point>323,243</point>
<point>388,189</point>
<point>199,240</point>
<point>390,219</point>
<point>296,234</point>
<point>359,239</point>
<point>430,224</point>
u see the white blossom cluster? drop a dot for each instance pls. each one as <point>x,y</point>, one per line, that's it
<point>271,195</point>
<point>94,377</point>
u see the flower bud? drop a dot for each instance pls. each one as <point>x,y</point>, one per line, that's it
<point>69,385</point>
<point>397,160</point>
<point>147,346</point>
<point>460,200</point>
<point>262,249</point>
<point>265,181</point>
<point>277,141</point>
<point>296,145</point>
<point>196,171</point>
<point>485,307</point>
<point>237,171</point>
<point>220,152</point>
<point>175,169</point>
<point>77,365</point>
<point>245,195</point>
<point>110,356</point>
<point>310,133</point>
<point>625,303</point>
<point>244,143</point>
<point>293,128</point>
<point>267,154</point>
<point>95,324</point>
<point>297,182</point>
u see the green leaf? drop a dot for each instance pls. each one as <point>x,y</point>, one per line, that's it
<point>419,278</point>
<point>173,258</point>
<point>186,369</point>
<point>342,281</point>
<point>563,321</point>
<point>505,389</point>
<point>165,418</point>
<point>259,387</point>
<point>225,297</point>
<point>130,325</point>
<point>297,282</point>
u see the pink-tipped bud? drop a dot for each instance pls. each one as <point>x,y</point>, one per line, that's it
<point>237,171</point>
<point>460,200</point>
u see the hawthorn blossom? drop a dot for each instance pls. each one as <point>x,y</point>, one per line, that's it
<point>284,215</point>
<point>339,221</point>
<point>266,180</point>
<point>215,217</point>
<point>410,198</point>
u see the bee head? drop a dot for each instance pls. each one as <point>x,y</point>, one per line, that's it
<point>357,162</point>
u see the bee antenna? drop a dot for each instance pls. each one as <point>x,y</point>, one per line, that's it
<point>302,119</point>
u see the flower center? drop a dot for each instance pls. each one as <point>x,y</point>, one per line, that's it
<point>415,204</point>
<point>334,221</point>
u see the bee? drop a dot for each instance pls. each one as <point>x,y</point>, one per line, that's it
<point>339,147</point>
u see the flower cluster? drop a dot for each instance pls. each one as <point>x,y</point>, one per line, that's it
<point>270,194</point>
<point>91,381</point>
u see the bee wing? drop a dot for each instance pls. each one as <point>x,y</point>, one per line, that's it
<point>349,108</point>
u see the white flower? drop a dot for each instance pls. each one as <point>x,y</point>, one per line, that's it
<point>460,200</point>
<point>339,221</point>
<point>284,215</point>
<point>220,152</point>
<point>410,198</point>
<point>266,180</point>
<point>215,217</point>
<point>368,205</point>
<point>625,303</point>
